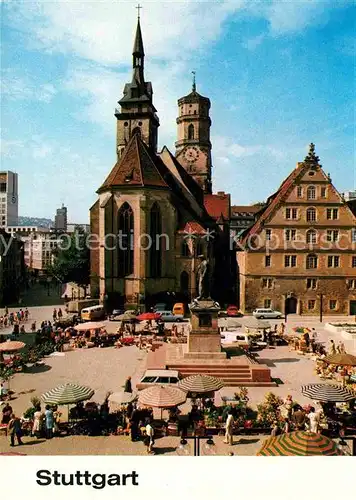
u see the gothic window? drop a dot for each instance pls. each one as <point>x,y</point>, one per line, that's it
<point>311,193</point>
<point>125,242</point>
<point>156,249</point>
<point>312,261</point>
<point>311,236</point>
<point>185,252</point>
<point>191,131</point>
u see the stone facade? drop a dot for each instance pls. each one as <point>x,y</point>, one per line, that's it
<point>154,195</point>
<point>300,255</point>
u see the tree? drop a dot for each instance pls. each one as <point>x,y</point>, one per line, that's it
<point>71,262</point>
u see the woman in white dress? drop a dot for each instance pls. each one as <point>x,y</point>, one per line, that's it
<point>37,422</point>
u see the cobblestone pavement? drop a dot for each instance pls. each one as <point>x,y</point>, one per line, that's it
<point>106,370</point>
<point>122,445</point>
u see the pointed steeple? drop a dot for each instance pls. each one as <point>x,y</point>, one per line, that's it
<point>194,85</point>
<point>138,44</point>
<point>138,57</point>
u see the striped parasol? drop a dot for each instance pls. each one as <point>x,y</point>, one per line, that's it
<point>161,397</point>
<point>11,346</point>
<point>342,359</point>
<point>122,397</point>
<point>89,325</point>
<point>200,384</point>
<point>299,443</point>
<point>328,393</point>
<point>67,394</point>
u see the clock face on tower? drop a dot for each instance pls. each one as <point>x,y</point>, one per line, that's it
<point>191,154</point>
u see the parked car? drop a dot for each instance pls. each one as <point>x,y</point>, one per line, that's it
<point>93,313</point>
<point>161,377</point>
<point>237,338</point>
<point>233,311</point>
<point>267,313</point>
<point>168,316</point>
<point>114,315</point>
<point>178,309</point>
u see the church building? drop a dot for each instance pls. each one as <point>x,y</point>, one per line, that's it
<point>156,214</point>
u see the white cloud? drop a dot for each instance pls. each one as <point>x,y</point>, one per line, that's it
<point>17,86</point>
<point>102,31</point>
<point>9,148</point>
<point>253,43</point>
<point>226,150</point>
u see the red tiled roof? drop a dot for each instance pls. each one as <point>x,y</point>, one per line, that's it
<point>217,205</point>
<point>135,168</point>
<point>246,208</point>
<point>193,227</point>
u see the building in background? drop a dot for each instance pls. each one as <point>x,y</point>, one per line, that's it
<point>71,228</point>
<point>12,269</point>
<point>349,195</point>
<point>300,255</point>
<point>39,243</point>
<point>8,199</point>
<point>60,220</point>
<point>243,217</point>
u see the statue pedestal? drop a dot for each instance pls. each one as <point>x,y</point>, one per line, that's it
<point>204,340</point>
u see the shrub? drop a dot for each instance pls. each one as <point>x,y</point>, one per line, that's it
<point>268,411</point>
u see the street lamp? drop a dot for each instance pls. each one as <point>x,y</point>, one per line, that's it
<point>344,447</point>
<point>183,448</point>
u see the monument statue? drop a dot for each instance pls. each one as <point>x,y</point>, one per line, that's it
<point>203,278</point>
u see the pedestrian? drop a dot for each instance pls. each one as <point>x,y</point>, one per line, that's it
<point>286,428</point>
<point>49,422</point>
<point>229,428</point>
<point>6,414</point>
<point>275,429</point>
<point>60,314</point>
<point>128,386</point>
<point>332,348</point>
<point>140,341</point>
<point>149,439</point>
<point>54,315</point>
<point>299,418</point>
<point>37,422</point>
<point>340,347</point>
<point>14,430</point>
<point>314,419</point>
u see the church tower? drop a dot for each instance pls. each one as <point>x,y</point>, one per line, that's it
<point>137,113</point>
<point>193,147</point>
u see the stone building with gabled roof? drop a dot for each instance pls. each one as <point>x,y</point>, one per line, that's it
<point>155,213</point>
<point>300,254</point>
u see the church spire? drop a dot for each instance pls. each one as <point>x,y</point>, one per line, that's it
<point>194,85</point>
<point>138,53</point>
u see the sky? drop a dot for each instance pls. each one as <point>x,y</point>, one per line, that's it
<point>279,73</point>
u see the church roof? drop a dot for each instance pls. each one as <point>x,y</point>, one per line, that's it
<point>193,97</point>
<point>137,167</point>
<point>217,205</point>
<point>192,228</point>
